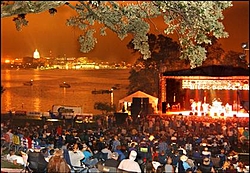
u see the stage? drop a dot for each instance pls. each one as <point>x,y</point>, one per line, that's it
<point>218,91</point>
<point>239,114</point>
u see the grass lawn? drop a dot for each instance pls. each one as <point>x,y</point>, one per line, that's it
<point>6,164</point>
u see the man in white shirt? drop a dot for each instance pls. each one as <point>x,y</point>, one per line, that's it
<point>76,156</point>
<point>12,157</point>
<point>130,164</point>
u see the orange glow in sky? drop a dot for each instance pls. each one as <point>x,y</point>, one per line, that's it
<point>50,36</point>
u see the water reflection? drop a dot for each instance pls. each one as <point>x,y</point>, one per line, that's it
<point>7,92</point>
<point>64,94</point>
<point>37,103</point>
<point>46,92</point>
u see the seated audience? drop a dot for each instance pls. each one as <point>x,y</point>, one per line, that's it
<point>57,163</point>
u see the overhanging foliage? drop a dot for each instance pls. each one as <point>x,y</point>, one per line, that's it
<point>193,21</point>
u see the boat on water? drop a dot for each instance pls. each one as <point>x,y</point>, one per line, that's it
<point>101,92</point>
<point>64,85</point>
<point>29,83</point>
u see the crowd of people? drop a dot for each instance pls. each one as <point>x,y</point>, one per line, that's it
<point>153,143</point>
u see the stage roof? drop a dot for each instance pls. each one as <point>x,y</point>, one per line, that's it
<point>213,71</point>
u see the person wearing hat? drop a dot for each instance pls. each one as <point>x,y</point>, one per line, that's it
<point>183,165</point>
<point>206,167</point>
<point>206,152</point>
<point>130,164</point>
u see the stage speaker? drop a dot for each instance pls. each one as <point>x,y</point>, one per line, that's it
<point>136,106</point>
<point>164,107</point>
<point>120,118</point>
<point>150,108</point>
<point>145,106</point>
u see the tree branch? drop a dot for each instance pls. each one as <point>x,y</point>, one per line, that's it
<point>25,7</point>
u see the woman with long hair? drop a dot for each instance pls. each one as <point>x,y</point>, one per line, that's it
<point>57,163</point>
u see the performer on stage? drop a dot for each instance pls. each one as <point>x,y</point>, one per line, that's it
<point>205,108</point>
<point>193,105</point>
<point>198,104</point>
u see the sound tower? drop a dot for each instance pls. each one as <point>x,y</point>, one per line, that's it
<point>136,107</point>
<point>145,106</point>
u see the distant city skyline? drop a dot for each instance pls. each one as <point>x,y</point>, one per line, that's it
<point>50,36</point>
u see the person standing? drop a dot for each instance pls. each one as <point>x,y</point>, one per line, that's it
<point>115,143</point>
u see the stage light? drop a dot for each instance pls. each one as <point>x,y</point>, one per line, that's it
<point>242,56</point>
<point>245,82</point>
<point>245,46</point>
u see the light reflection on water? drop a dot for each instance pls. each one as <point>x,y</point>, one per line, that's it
<point>46,92</point>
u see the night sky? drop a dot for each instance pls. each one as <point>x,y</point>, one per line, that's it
<point>50,33</point>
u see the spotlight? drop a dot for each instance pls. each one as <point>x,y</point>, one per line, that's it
<point>244,46</point>
<point>242,56</point>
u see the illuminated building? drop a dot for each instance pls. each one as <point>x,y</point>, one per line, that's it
<point>36,54</point>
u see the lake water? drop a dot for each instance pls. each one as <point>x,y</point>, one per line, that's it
<point>46,92</point>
